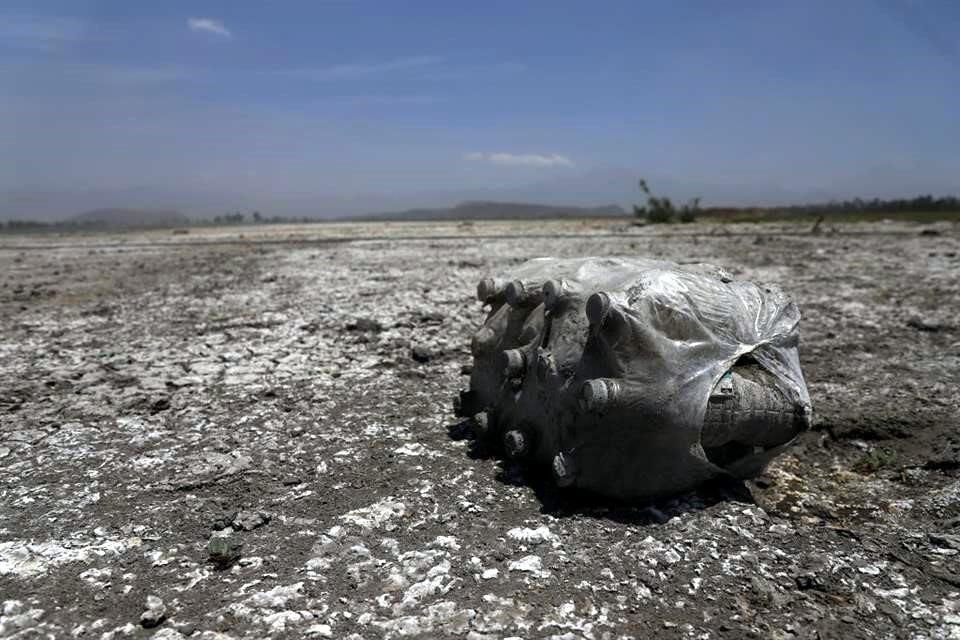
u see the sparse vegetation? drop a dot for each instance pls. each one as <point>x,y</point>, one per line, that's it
<point>923,208</point>
<point>229,218</point>
<point>130,219</point>
<point>659,210</point>
<point>496,210</point>
<point>875,460</point>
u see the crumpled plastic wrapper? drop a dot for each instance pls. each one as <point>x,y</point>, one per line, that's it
<point>636,378</point>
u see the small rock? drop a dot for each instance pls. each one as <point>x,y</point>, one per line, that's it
<point>921,324</point>
<point>529,564</point>
<point>224,548</point>
<point>766,592</point>
<point>250,520</point>
<point>420,353</point>
<point>223,521</point>
<point>945,540</point>
<point>155,613</point>
<point>321,630</point>
<point>366,325</point>
<point>532,536</point>
<point>432,317</point>
<point>807,582</point>
<point>12,608</point>
<point>490,574</point>
<point>185,381</point>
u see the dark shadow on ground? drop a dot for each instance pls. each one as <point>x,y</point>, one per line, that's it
<point>572,502</point>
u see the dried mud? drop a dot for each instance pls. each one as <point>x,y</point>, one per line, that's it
<point>287,392</point>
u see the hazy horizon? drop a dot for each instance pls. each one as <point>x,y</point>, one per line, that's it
<point>345,108</point>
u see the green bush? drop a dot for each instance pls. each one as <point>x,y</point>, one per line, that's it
<point>660,215</point>
<point>875,460</point>
<point>689,211</point>
<point>661,210</point>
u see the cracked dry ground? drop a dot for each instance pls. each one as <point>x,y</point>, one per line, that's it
<point>153,396</point>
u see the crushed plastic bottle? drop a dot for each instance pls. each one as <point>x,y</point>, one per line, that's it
<point>636,378</point>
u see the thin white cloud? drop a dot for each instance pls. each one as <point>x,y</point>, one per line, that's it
<point>32,32</point>
<point>522,159</point>
<point>360,70</point>
<point>209,25</point>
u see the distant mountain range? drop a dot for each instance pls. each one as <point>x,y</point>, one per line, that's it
<point>129,217</point>
<point>580,189</point>
<point>489,210</point>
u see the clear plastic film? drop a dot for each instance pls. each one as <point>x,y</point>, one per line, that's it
<point>604,369</point>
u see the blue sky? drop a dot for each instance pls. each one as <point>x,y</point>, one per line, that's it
<point>337,106</point>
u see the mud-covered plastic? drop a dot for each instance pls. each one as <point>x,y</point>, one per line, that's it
<point>636,378</point>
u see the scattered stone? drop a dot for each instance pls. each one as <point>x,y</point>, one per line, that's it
<point>320,630</point>
<point>808,582</point>
<point>160,404</point>
<point>921,324</point>
<point>277,597</point>
<point>446,542</point>
<point>185,381</point>
<point>421,353</point>
<point>766,592</point>
<point>432,317</point>
<point>945,540</point>
<point>490,574</point>
<point>365,325</point>
<point>214,463</point>
<point>12,608</point>
<point>223,521</point>
<point>250,520</point>
<point>529,564</point>
<point>224,548</point>
<point>155,613</point>
<point>382,513</point>
<point>532,536</point>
